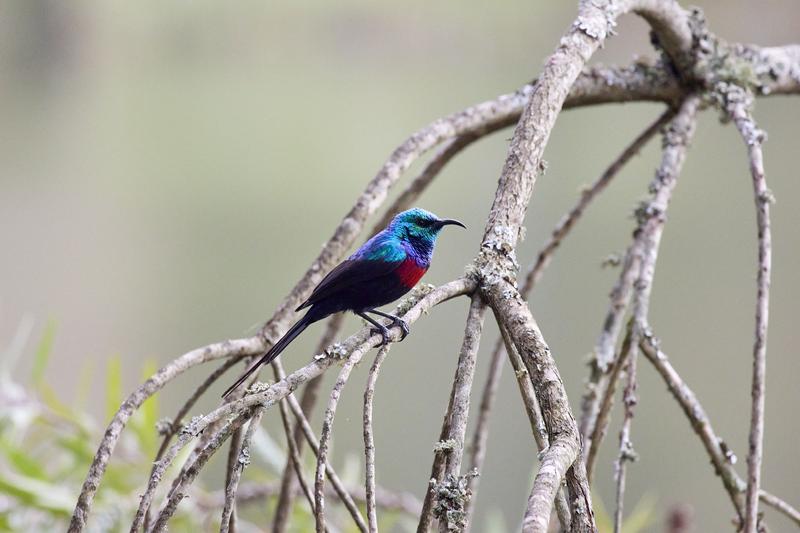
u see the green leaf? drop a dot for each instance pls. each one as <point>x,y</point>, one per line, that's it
<point>35,493</point>
<point>42,354</point>
<point>22,462</point>
<point>5,524</point>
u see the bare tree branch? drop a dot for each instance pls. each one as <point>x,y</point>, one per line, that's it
<point>440,451</point>
<point>641,260</point>
<point>451,513</point>
<point>565,82</point>
<point>481,432</point>
<point>242,460</point>
<point>369,440</point>
<point>356,346</point>
<point>304,425</point>
<point>722,458</point>
<point>307,402</point>
<point>739,104</point>
<point>588,194</point>
<point>653,217</point>
<point>324,439</point>
<point>179,490</point>
<point>294,456</point>
<point>387,500</point>
<point>534,418</point>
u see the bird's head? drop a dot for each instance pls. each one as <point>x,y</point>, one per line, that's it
<point>419,225</point>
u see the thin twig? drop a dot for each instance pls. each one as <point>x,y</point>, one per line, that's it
<point>641,256</point>
<point>236,448</point>
<point>481,432</point>
<point>249,493</point>
<point>294,455</point>
<point>437,470</point>
<point>324,440</point>
<point>307,402</point>
<point>676,140</point>
<point>252,345</point>
<point>588,194</point>
<point>739,103</point>
<point>305,427</point>
<point>173,426</point>
<point>626,451</point>
<point>180,489</point>
<point>722,458</point>
<point>459,411</point>
<point>369,440</point>
<point>241,461</point>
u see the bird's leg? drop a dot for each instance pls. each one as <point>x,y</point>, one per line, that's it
<point>379,328</point>
<point>396,321</point>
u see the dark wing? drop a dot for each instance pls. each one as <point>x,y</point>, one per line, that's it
<point>346,274</point>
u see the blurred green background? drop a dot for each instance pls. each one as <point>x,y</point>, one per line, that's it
<point>169,169</point>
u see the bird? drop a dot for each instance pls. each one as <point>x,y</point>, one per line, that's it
<point>382,270</point>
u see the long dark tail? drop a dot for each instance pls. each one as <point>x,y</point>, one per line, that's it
<point>275,351</point>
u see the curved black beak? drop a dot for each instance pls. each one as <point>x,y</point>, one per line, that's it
<point>450,222</point>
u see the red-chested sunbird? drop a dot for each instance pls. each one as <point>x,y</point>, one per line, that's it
<point>385,268</point>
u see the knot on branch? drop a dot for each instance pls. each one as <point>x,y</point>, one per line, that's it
<point>600,22</point>
<point>445,446</point>
<point>193,428</point>
<point>730,457</point>
<point>337,350</point>
<point>451,497</point>
<point>767,197</point>
<point>627,453</point>
<point>766,70</point>
<point>244,456</point>
<point>496,267</point>
<point>164,426</point>
<point>646,211</point>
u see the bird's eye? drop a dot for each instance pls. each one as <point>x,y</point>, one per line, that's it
<point>425,222</point>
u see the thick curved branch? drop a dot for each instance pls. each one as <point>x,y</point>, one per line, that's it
<point>534,418</point>
<point>497,263</point>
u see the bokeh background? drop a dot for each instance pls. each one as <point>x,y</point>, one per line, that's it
<point>169,169</point>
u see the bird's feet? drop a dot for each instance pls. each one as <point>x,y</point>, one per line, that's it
<point>403,325</point>
<point>383,331</point>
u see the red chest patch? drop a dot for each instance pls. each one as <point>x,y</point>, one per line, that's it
<point>410,272</point>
